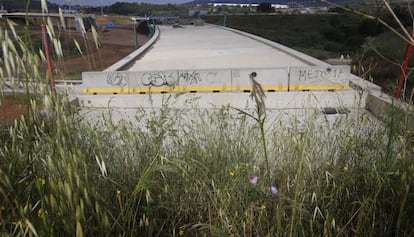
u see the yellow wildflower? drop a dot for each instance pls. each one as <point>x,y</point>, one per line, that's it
<point>42,181</point>
<point>263,207</point>
<point>41,213</point>
<point>231,173</point>
<point>181,233</point>
<point>346,168</point>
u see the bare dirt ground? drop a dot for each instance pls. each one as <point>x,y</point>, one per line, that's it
<point>115,43</point>
<point>10,109</point>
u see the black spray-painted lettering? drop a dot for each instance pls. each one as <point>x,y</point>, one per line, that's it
<point>315,74</point>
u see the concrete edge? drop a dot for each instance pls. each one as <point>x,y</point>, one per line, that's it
<point>382,105</point>
<point>294,53</point>
<point>74,101</point>
<point>132,56</point>
<point>360,84</point>
<point>386,108</point>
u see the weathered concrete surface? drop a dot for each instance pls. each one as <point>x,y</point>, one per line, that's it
<point>387,108</point>
<point>273,100</point>
<point>210,47</point>
<point>215,59</point>
<point>217,80</point>
<point>209,67</point>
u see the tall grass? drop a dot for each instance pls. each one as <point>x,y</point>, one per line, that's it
<point>202,173</point>
<point>172,176</point>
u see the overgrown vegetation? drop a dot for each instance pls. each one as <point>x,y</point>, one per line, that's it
<point>196,173</point>
<point>377,53</point>
<point>205,177</point>
<point>330,34</point>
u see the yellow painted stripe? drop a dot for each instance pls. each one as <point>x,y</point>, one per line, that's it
<point>212,88</point>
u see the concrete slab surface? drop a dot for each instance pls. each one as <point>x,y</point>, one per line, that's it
<point>208,47</point>
<point>209,68</point>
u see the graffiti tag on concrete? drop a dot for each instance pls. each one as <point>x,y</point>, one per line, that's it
<point>308,74</point>
<point>158,79</point>
<point>117,79</point>
<point>189,77</point>
<point>174,78</point>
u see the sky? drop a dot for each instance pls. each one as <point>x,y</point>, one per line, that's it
<point>110,2</point>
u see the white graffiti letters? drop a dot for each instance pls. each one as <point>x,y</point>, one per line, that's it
<point>158,79</point>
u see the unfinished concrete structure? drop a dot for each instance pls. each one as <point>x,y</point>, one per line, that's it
<point>214,66</point>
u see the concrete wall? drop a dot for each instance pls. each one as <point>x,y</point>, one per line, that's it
<point>387,109</point>
<point>272,79</point>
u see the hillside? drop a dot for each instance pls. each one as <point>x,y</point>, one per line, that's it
<point>286,2</point>
<point>20,5</point>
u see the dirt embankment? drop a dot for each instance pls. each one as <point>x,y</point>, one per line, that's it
<point>10,109</point>
<point>115,43</point>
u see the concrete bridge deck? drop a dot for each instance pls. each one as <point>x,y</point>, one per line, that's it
<point>213,59</point>
<point>210,47</point>
<point>212,66</point>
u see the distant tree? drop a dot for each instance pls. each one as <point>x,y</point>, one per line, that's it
<point>265,7</point>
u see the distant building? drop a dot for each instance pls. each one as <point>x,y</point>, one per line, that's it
<point>277,6</point>
<point>311,10</point>
<point>280,6</point>
<point>70,11</point>
<point>196,12</point>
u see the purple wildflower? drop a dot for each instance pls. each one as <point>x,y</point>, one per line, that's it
<point>274,190</point>
<point>253,179</point>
